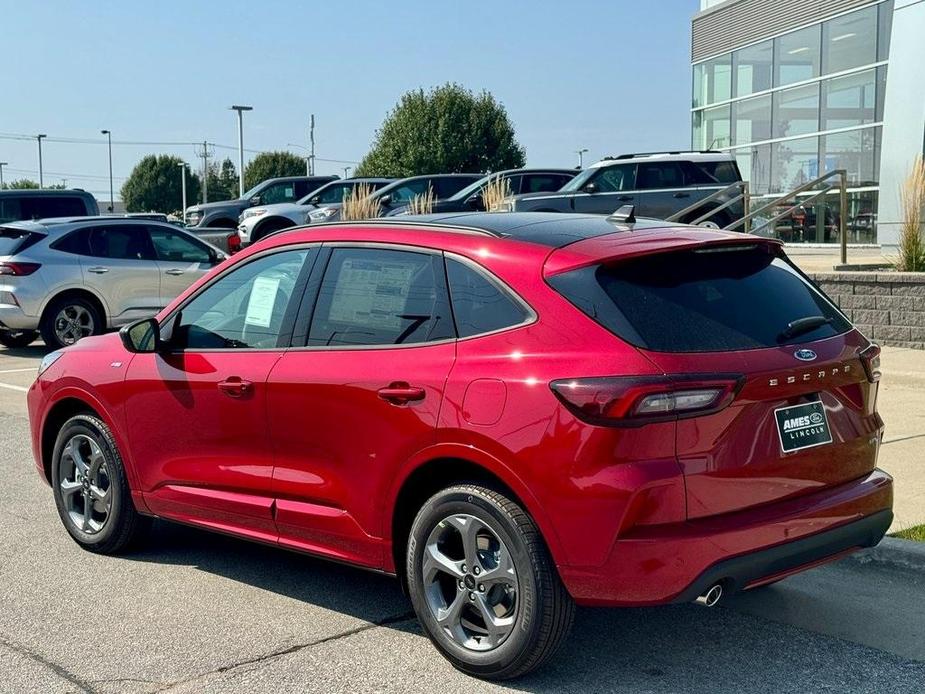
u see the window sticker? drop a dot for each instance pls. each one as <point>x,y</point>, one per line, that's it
<point>261,302</point>
<point>371,293</point>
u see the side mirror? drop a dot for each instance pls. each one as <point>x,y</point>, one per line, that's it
<point>142,337</point>
<point>590,187</point>
<point>475,202</point>
<point>254,201</point>
<point>315,200</point>
<point>385,200</point>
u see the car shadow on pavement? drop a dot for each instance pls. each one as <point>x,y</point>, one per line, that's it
<point>34,350</point>
<point>681,648</point>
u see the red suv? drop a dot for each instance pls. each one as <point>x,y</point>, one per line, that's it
<point>513,413</point>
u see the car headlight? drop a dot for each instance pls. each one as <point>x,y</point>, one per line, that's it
<point>192,218</point>
<point>48,360</point>
<point>322,213</point>
<point>253,212</point>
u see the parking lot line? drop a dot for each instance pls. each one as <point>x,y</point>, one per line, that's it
<point>12,387</point>
<point>17,371</point>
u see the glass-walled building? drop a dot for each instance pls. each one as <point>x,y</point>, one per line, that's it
<point>795,89</point>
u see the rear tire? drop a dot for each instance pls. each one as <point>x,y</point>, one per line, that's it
<point>68,319</point>
<point>16,339</point>
<point>90,488</point>
<point>477,563</point>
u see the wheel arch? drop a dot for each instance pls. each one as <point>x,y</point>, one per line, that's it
<point>221,223</point>
<point>270,225</point>
<point>79,292</point>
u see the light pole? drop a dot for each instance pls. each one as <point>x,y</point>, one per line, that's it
<point>308,159</point>
<point>2,164</point>
<point>182,166</point>
<point>241,110</point>
<point>112,204</point>
<point>580,153</point>
<point>39,138</point>
<point>346,171</point>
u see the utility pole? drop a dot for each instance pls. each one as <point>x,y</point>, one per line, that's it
<point>580,153</point>
<point>2,164</point>
<point>241,110</point>
<point>311,148</point>
<point>112,204</point>
<point>205,154</point>
<point>39,138</point>
<point>182,166</point>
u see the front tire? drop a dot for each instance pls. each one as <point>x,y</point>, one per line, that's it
<point>483,584</point>
<point>91,490</point>
<point>17,339</point>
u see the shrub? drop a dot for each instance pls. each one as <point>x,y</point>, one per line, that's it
<point>912,201</point>
<point>422,203</point>
<point>358,204</point>
<point>496,192</point>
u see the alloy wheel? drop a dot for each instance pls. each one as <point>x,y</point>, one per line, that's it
<point>85,484</point>
<point>470,582</point>
<point>72,323</point>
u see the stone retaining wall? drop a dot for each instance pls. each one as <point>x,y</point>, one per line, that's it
<point>888,307</point>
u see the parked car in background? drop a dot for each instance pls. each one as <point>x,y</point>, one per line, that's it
<point>225,213</point>
<point>512,413</point>
<point>18,205</point>
<point>520,181</point>
<point>658,185</point>
<point>68,278</point>
<point>399,193</point>
<point>257,222</point>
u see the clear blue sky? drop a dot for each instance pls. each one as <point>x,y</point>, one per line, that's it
<point>610,75</point>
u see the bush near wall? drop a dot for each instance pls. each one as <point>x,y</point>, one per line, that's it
<point>888,308</point>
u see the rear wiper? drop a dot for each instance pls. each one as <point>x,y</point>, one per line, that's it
<point>802,325</point>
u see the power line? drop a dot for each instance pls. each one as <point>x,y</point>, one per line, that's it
<point>65,174</point>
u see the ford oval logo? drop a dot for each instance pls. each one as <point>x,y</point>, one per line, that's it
<point>805,354</point>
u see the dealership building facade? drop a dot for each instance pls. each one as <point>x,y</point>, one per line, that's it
<point>798,88</point>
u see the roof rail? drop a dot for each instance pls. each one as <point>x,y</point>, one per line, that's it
<point>678,151</point>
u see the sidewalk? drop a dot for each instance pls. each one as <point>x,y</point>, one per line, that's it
<point>901,402</point>
<point>825,259</point>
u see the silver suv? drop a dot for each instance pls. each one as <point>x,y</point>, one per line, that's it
<point>658,184</point>
<point>72,277</point>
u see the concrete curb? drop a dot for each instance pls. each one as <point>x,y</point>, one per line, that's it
<point>905,554</point>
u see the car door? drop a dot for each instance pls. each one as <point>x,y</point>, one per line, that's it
<point>360,398</point>
<point>660,189</point>
<point>609,189</point>
<point>196,411</point>
<point>181,260</point>
<point>118,265</point>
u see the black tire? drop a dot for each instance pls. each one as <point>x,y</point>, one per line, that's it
<point>123,527</point>
<point>542,612</point>
<point>15,339</point>
<point>47,325</point>
<point>268,227</point>
<point>720,219</point>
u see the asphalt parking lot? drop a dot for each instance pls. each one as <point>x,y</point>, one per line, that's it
<point>198,612</point>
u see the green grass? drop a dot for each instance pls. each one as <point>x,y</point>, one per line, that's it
<point>916,533</point>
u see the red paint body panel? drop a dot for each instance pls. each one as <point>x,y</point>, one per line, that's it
<point>314,459</point>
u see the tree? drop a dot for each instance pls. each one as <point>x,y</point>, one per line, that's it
<point>446,130</point>
<point>223,181</point>
<point>155,185</point>
<point>272,165</point>
<point>20,184</point>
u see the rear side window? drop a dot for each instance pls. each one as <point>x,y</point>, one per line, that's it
<point>711,172</point>
<point>663,175</point>
<point>15,240</point>
<point>480,305</point>
<point>701,301</point>
<point>380,297</point>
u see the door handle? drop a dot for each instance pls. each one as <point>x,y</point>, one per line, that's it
<point>234,386</point>
<point>400,393</point>
<point>682,195</point>
<point>98,270</point>
<point>174,271</point>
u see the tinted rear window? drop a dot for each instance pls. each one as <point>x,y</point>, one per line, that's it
<point>14,240</point>
<point>701,301</point>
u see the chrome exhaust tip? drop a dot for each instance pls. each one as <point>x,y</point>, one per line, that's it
<point>711,597</point>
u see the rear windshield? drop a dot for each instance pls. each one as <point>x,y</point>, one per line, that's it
<point>14,240</point>
<point>706,300</point>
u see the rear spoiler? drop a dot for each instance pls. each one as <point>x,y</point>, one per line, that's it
<point>623,245</point>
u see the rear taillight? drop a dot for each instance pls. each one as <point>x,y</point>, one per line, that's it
<point>870,360</point>
<point>18,268</point>
<point>234,243</point>
<point>637,400</point>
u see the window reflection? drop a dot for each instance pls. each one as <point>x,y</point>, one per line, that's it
<point>794,162</point>
<point>856,151</point>
<point>849,100</point>
<point>796,111</point>
<point>752,68</point>
<point>849,41</point>
<point>752,119</point>
<point>797,56</point>
<point>713,81</point>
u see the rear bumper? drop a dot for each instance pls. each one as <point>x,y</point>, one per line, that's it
<point>14,318</point>
<point>678,562</point>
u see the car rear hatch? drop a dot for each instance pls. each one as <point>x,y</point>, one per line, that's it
<point>737,311</point>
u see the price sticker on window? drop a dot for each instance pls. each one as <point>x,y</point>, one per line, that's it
<point>261,302</point>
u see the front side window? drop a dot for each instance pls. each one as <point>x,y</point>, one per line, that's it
<point>614,179</point>
<point>372,296</point>
<point>333,194</point>
<point>243,309</point>
<point>176,247</point>
<point>402,194</point>
<point>480,305</point>
<point>542,183</point>
<point>279,192</point>
<point>120,243</point>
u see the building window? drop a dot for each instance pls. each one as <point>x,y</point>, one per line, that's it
<point>752,68</point>
<point>712,128</point>
<point>849,100</point>
<point>752,118</point>
<point>796,111</point>
<point>796,56</point>
<point>713,81</point>
<point>793,163</point>
<point>856,151</point>
<point>755,165</point>
<point>849,41</point>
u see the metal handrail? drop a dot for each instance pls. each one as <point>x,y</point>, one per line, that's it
<point>738,185</point>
